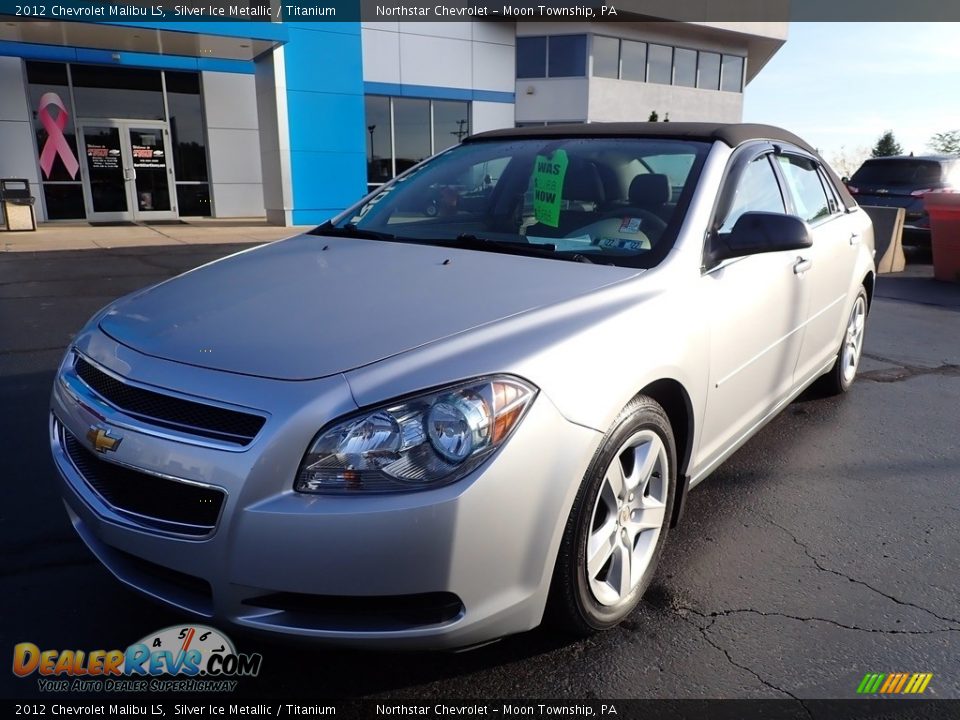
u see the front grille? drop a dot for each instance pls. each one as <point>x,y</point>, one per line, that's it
<point>174,413</point>
<point>144,499</point>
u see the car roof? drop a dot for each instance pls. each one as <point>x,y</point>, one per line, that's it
<point>732,134</point>
<point>929,158</point>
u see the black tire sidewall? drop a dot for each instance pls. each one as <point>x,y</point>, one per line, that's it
<point>642,414</point>
<point>840,383</point>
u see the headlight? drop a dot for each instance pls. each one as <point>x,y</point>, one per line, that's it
<point>418,443</point>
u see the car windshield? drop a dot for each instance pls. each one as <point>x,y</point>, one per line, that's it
<point>898,172</point>
<point>616,201</point>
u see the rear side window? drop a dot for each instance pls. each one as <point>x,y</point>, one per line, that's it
<point>833,198</point>
<point>805,187</point>
<point>898,172</point>
<point>675,167</point>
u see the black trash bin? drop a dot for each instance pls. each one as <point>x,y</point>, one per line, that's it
<point>16,204</point>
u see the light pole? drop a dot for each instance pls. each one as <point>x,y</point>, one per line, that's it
<point>460,132</point>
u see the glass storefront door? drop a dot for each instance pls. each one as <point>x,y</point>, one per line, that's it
<point>129,175</point>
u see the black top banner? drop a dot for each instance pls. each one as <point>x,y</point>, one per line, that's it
<point>161,11</point>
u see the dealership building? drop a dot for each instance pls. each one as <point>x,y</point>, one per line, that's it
<point>143,122</point>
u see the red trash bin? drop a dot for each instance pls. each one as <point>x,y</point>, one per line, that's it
<point>944,210</point>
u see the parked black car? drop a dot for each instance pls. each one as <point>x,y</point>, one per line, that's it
<point>902,181</point>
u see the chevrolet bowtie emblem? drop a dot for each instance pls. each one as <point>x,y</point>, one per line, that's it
<point>101,440</point>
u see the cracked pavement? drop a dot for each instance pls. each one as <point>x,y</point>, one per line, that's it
<point>826,548</point>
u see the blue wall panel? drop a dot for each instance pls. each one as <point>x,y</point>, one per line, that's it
<point>324,73</point>
<point>324,121</point>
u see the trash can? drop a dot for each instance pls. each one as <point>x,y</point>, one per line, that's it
<point>16,204</point>
<point>944,210</point>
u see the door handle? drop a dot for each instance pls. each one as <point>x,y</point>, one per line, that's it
<point>802,265</point>
<point>854,238</point>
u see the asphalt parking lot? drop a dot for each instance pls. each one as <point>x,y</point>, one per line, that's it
<point>825,549</point>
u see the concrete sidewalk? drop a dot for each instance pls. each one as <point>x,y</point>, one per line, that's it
<point>916,284</point>
<point>82,236</point>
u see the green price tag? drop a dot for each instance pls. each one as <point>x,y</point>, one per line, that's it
<point>548,174</point>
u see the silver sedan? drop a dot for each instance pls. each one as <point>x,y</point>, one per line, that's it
<point>476,399</point>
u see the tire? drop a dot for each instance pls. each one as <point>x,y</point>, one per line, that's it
<point>614,538</point>
<point>844,371</point>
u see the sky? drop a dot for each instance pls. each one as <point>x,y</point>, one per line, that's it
<point>839,86</point>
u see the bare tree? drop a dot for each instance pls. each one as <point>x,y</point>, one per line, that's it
<point>847,161</point>
<point>947,142</point>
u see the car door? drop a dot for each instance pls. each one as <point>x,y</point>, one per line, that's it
<point>757,306</point>
<point>834,253</point>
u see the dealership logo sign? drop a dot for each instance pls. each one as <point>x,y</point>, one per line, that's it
<point>178,658</point>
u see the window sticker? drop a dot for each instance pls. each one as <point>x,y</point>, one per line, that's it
<point>630,225</point>
<point>579,243</point>
<point>549,172</point>
<point>622,244</point>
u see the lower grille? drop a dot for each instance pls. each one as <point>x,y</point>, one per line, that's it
<point>147,500</point>
<point>383,613</point>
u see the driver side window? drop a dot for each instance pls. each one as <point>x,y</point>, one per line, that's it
<point>757,191</point>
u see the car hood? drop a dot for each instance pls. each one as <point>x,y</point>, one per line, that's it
<point>313,306</point>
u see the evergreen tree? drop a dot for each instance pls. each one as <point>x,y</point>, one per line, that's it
<point>886,146</point>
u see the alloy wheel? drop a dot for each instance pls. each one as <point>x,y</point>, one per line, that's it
<point>628,516</point>
<point>853,340</point>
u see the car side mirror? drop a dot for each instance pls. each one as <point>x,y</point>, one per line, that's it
<point>760,232</point>
<point>844,179</point>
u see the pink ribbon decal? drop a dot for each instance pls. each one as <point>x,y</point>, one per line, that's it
<point>56,143</point>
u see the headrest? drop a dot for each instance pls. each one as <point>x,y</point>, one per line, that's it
<point>649,190</point>
<point>583,183</point>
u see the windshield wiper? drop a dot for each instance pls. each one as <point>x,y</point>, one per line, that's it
<point>473,242</point>
<point>464,240</point>
<point>520,248</point>
<point>350,230</point>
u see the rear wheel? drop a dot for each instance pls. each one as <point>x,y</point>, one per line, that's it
<point>844,370</point>
<point>618,523</point>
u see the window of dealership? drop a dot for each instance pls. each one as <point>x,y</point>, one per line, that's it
<point>563,56</point>
<point>402,131</point>
<point>118,143</point>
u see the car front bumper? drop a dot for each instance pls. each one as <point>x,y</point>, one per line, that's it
<point>443,568</point>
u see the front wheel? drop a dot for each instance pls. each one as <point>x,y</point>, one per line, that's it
<point>618,524</point>
<point>844,370</point>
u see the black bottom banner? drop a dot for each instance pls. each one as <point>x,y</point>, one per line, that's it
<point>888,709</point>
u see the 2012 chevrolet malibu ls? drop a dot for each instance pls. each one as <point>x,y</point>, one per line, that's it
<point>476,398</point>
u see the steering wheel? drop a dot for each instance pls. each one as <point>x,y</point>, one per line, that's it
<point>651,224</point>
